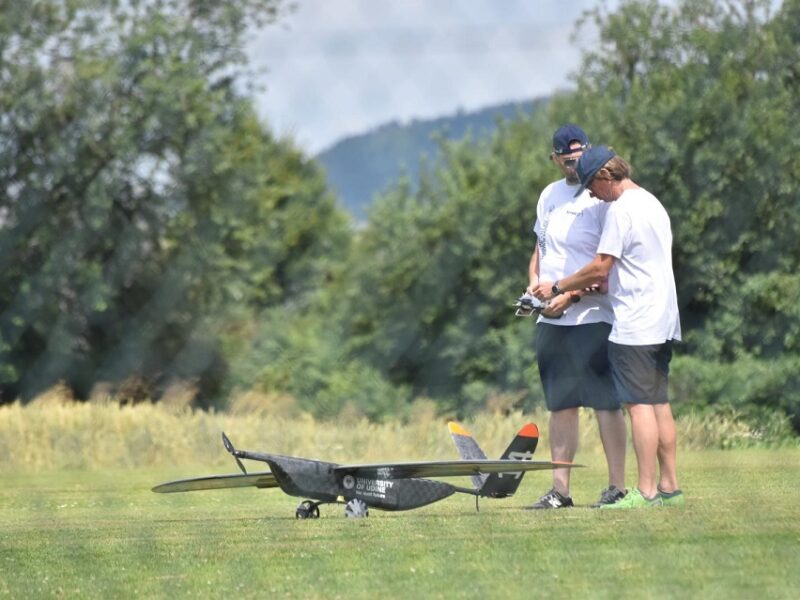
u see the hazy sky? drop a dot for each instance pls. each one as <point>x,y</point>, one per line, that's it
<point>340,67</point>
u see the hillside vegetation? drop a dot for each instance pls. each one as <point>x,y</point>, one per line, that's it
<point>360,167</point>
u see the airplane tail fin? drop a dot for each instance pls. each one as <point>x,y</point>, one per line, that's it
<point>522,447</point>
<point>468,449</point>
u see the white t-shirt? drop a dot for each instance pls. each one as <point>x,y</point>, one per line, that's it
<point>641,284</point>
<point>568,231</point>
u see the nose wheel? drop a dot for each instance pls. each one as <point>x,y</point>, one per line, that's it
<point>307,510</point>
<point>356,509</point>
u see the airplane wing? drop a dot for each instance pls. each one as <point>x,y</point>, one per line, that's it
<point>448,468</point>
<point>264,479</point>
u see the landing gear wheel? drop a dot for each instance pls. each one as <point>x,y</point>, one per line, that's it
<point>307,510</point>
<point>356,509</point>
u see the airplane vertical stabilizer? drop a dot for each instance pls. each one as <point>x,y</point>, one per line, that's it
<point>522,447</point>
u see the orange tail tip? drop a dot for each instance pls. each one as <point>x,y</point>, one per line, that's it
<point>457,429</point>
<point>530,430</point>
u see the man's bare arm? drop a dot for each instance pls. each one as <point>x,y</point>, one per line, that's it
<point>592,274</point>
<point>533,270</point>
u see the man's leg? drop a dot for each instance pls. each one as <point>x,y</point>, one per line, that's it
<point>668,480</point>
<point>563,444</point>
<point>645,433</point>
<point>613,435</point>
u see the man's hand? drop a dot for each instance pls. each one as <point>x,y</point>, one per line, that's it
<point>601,287</point>
<point>557,306</point>
<point>544,291</point>
<point>532,287</point>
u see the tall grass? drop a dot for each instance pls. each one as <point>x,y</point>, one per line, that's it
<point>54,432</point>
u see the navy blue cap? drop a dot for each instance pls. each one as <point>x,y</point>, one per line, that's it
<point>567,134</point>
<point>590,163</point>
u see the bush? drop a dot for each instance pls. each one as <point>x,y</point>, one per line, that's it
<point>359,390</point>
<point>762,393</point>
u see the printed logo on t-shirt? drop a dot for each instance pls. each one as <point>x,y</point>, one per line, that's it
<point>542,238</point>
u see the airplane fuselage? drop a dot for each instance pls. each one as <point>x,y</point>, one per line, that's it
<point>319,480</point>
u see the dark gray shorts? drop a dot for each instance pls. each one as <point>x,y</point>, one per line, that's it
<point>640,372</point>
<point>574,367</point>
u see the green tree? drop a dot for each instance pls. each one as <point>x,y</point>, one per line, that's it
<point>146,212</point>
<point>427,296</point>
<point>702,97</point>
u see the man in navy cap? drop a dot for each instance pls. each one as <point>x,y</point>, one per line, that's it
<point>635,255</point>
<point>572,334</point>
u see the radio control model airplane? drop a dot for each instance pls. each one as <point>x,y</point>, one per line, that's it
<point>384,486</point>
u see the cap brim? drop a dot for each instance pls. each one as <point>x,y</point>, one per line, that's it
<point>568,151</point>
<point>581,189</point>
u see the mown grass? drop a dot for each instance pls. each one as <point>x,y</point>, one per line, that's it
<point>103,534</point>
<point>78,519</point>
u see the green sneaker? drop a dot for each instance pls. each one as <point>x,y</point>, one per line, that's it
<point>675,498</point>
<point>634,499</point>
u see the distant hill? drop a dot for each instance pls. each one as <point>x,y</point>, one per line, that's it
<point>360,166</point>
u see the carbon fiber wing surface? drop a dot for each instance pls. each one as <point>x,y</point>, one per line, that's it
<point>217,482</point>
<point>448,468</point>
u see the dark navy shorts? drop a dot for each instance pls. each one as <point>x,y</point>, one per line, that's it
<point>640,372</point>
<point>574,366</point>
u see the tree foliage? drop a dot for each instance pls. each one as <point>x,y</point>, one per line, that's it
<point>432,276</point>
<point>702,97</point>
<point>144,206</point>
<point>151,226</point>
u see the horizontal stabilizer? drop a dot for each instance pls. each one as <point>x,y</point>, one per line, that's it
<point>218,482</point>
<point>448,468</point>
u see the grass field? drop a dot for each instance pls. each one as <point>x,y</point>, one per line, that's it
<point>103,534</point>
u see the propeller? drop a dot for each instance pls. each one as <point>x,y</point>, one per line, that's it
<point>229,447</point>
